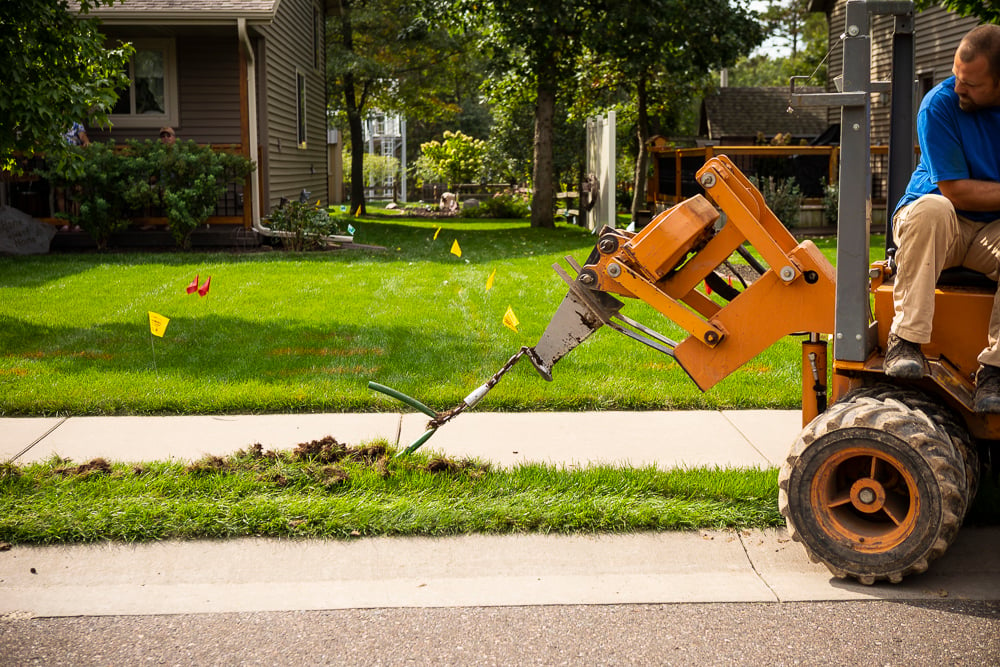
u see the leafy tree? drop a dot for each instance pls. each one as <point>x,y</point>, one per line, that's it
<point>390,55</point>
<point>661,44</point>
<point>805,35</point>
<point>985,10</point>
<point>54,70</point>
<point>540,41</point>
<point>456,159</point>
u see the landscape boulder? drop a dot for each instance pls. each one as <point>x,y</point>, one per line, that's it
<point>21,234</point>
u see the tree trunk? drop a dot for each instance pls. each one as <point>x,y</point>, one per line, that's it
<point>543,186</point>
<point>354,111</point>
<point>642,160</point>
<point>357,147</point>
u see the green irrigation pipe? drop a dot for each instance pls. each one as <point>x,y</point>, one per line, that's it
<point>413,403</point>
<point>398,395</point>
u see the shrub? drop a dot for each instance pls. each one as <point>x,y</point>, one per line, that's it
<point>499,206</point>
<point>831,203</point>
<point>187,181</point>
<point>110,185</point>
<point>459,158</point>
<point>97,182</point>
<point>306,224</point>
<point>782,196</point>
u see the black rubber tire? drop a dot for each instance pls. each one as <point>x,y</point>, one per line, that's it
<point>874,444</point>
<point>942,415</point>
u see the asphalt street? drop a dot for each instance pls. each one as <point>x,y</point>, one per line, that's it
<point>942,632</point>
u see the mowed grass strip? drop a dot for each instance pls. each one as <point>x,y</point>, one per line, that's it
<point>324,489</point>
<point>305,332</point>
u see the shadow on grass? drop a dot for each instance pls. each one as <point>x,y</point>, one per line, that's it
<point>218,364</point>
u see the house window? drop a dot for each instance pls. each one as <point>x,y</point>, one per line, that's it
<point>926,82</point>
<point>300,96</point>
<point>151,97</point>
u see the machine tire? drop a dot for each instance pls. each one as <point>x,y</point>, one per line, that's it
<point>874,489</point>
<point>942,415</point>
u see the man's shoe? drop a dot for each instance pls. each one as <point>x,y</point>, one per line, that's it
<point>903,359</point>
<point>987,390</point>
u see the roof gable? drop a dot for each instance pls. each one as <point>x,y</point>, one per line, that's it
<point>743,112</point>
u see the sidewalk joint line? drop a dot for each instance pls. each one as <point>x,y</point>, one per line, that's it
<point>38,439</point>
<point>399,430</point>
<point>739,536</point>
<point>744,436</point>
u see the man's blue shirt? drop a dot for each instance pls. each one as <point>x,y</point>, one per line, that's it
<point>954,144</point>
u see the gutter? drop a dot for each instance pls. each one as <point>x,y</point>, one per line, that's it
<point>255,218</point>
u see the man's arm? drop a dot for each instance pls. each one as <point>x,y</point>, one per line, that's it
<point>970,195</point>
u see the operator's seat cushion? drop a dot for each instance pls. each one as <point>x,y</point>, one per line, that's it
<point>959,276</point>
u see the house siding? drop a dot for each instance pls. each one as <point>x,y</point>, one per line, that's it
<point>209,72</point>
<point>208,90</point>
<point>293,169</point>
<point>937,33</point>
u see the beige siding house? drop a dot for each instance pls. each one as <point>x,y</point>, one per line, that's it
<point>246,74</point>
<point>937,33</point>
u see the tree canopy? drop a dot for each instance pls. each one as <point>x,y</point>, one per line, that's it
<point>988,11</point>
<point>55,70</point>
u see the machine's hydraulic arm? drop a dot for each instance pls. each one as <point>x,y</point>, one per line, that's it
<point>667,262</point>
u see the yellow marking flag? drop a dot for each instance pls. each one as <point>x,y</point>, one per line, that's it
<point>455,250</point>
<point>489,281</point>
<point>436,232</point>
<point>510,319</point>
<point>158,324</point>
<point>358,212</point>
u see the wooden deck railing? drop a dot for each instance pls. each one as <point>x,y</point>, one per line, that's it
<point>812,167</point>
<point>34,195</point>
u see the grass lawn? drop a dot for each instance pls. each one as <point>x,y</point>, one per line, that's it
<point>305,332</point>
<point>286,332</point>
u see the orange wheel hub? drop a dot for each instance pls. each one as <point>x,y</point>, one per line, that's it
<point>866,497</point>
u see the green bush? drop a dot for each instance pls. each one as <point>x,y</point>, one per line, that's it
<point>831,203</point>
<point>782,196</point>
<point>501,206</point>
<point>306,224</point>
<point>184,179</point>
<point>96,182</point>
<point>459,158</point>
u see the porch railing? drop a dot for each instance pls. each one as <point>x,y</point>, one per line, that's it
<point>812,167</point>
<point>32,193</point>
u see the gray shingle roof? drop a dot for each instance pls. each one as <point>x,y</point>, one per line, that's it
<point>743,112</point>
<point>184,11</point>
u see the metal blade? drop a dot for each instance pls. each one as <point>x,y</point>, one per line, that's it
<point>580,314</point>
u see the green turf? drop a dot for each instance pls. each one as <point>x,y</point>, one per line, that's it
<point>287,332</point>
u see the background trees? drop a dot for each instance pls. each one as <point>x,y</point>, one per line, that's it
<point>524,75</point>
<point>54,70</point>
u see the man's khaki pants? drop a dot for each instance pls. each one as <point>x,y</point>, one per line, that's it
<point>931,237</point>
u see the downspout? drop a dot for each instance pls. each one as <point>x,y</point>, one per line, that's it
<point>251,83</point>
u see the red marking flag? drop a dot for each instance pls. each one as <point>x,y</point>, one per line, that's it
<point>193,285</point>
<point>203,290</point>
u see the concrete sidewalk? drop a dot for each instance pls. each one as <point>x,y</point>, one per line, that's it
<point>729,438</point>
<point>476,570</point>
